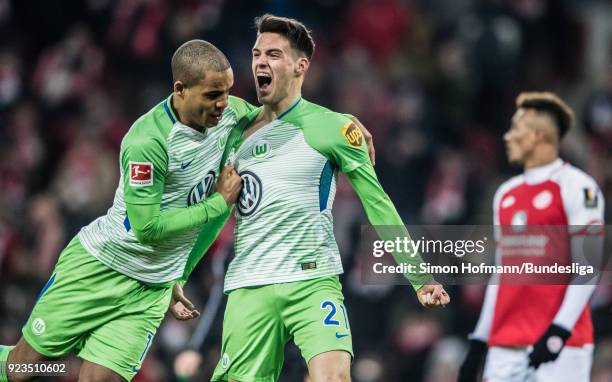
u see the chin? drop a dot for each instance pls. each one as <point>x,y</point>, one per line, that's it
<point>515,160</point>
<point>264,98</point>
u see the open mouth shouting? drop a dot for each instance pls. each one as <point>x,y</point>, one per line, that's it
<point>264,82</point>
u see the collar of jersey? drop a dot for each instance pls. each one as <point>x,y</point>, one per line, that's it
<point>284,113</point>
<point>253,115</point>
<point>540,174</point>
<point>168,108</point>
<point>188,130</point>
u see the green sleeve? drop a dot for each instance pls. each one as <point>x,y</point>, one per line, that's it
<point>151,225</point>
<point>240,106</point>
<point>148,155</point>
<point>209,233</point>
<point>338,139</point>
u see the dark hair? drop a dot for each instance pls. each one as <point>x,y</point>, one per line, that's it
<point>551,104</point>
<point>193,58</point>
<point>298,35</point>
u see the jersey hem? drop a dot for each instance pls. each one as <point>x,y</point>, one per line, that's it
<point>280,280</point>
<point>522,345</point>
<point>94,253</point>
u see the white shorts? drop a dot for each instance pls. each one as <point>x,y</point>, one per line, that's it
<point>505,364</point>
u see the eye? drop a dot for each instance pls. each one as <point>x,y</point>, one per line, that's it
<point>213,95</point>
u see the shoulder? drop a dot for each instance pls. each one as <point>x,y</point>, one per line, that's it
<point>326,127</point>
<point>313,115</point>
<point>578,189</point>
<point>582,198</point>
<point>150,130</point>
<point>571,177</point>
<point>238,106</point>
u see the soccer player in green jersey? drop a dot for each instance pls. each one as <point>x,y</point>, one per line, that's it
<point>112,284</point>
<point>283,282</point>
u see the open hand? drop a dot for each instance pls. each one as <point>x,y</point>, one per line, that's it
<point>181,308</point>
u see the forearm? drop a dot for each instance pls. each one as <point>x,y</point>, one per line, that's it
<point>575,299</point>
<point>585,250</point>
<point>152,225</point>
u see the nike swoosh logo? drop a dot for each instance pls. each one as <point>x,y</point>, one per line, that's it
<point>338,335</point>
<point>185,165</point>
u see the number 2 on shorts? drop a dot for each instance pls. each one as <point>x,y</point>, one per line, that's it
<point>329,319</point>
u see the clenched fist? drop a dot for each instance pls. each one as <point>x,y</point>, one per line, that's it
<point>433,295</point>
<point>229,185</point>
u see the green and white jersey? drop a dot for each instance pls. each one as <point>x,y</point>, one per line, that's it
<point>289,168</point>
<point>167,163</point>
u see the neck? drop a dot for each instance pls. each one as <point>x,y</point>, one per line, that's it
<point>271,111</point>
<point>176,104</point>
<point>542,156</point>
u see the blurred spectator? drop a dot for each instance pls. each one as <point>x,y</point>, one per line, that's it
<point>70,69</point>
<point>10,78</point>
<point>86,181</point>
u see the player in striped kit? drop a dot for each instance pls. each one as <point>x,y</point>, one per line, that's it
<point>283,282</point>
<point>112,284</point>
<point>539,332</point>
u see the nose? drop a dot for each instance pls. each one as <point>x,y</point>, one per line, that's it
<point>507,137</point>
<point>223,101</point>
<point>261,60</point>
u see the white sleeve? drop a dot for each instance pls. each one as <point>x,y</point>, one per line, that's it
<point>583,201</point>
<point>575,299</point>
<point>584,206</point>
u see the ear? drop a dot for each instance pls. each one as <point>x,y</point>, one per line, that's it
<point>179,88</point>
<point>302,66</point>
<point>541,134</point>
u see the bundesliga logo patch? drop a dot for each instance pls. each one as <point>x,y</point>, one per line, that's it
<point>352,134</point>
<point>141,174</point>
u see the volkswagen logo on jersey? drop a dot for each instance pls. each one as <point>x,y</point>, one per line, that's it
<point>251,193</point>
<point>202,190</point>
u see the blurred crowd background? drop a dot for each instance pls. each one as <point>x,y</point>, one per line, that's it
<point>433,80</point>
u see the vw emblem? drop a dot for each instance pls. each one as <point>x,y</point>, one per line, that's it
<point>202,190</point>
<point>251,193</point>
<point>38,326</point>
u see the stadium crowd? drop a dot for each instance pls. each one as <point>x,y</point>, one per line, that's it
<point>434,81</point>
